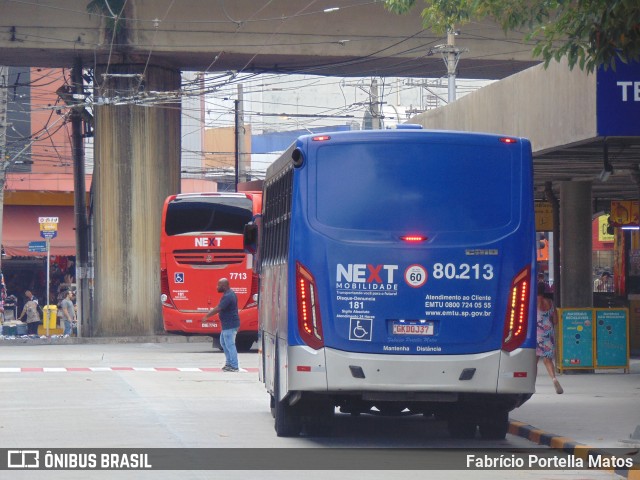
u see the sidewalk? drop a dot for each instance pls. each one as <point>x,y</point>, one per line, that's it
<point>600,410</point>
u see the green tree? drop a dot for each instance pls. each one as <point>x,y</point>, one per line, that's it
<point>589,33</point>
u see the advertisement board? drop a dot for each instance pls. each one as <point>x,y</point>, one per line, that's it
<point>576,338</point>
<point>612,348</point>
<point>592,338</point>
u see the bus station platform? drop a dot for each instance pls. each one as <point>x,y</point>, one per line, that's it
<point>598,411</point>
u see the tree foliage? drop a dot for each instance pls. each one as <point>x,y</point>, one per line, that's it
<point>589,33</point>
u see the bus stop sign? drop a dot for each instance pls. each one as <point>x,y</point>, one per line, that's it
<point>48,227</point>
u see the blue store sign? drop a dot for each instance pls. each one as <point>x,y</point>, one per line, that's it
<point>618,100</point>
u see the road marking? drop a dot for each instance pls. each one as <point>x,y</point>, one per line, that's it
<point>117,369</point>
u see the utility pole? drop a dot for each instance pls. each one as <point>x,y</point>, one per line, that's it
<point>80,194</point>
<point>433,98</point>
<point>376,124</point>
<point>451,56</point>
<point>4,82</point>
<point>239,138</point>
<point>372,112</point>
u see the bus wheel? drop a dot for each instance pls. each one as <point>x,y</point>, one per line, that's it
<point>287,420</point>
<point>461,427</point>
<point>244,344</point>
<point>320,424</point>
<point>494,425</point>
<point>215,343</point>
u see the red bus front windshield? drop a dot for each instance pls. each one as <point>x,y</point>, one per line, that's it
<point>189,215</point>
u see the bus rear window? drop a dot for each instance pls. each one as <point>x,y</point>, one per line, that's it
<point>382,187</point>
<point>208,214</point>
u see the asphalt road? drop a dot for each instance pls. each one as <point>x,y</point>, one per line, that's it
<point>173,396</point>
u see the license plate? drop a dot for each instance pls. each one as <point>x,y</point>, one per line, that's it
<point>425,329</point>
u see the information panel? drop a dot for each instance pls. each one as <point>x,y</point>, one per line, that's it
<point>576,342</point>
<point>591,338</point>
<point>612,346</point>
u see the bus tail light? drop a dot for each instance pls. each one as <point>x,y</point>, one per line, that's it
<point>517,320</point>
<point>165,297</point>
<point>413,238</point>
<point>309,321</point>
<point>253,296</point>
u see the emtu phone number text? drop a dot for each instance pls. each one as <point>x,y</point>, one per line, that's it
<point>458,306</point>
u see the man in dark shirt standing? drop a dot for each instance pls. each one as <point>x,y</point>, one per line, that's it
<point>227,310</point>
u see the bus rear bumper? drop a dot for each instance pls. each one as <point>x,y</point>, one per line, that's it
<point>336,371</point>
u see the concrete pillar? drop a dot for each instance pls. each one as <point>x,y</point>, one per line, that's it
<point>575,245</point>
<point>137,165</point>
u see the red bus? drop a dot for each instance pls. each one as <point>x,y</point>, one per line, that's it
<point>200,242</point>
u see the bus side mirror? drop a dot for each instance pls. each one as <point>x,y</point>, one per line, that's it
<point>297,157</point>
<point>250,238</point>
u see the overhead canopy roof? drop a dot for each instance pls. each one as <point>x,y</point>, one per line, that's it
<point>579,124</point>
<point>20,226</point>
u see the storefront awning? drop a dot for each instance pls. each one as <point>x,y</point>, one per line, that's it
<point>20,226</point>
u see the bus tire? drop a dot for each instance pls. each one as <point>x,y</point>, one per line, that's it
<point>460,426</point>
<point>287,421</point>
<point>215,343</point>
<point>244,344</point>
<point>494,425</point>
<point>320,422</point>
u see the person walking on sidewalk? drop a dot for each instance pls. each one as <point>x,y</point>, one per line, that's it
<point>68,313</point>
<point>545,347</point>
<point>30,309</point>
<point>227,310</point>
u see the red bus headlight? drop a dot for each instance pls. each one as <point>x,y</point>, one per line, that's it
<point>165,296</point>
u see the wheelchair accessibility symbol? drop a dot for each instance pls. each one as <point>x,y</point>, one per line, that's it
<point>360,329</point>
<point>178,277</point>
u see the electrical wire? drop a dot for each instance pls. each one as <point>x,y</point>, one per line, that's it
<point>217,84</point>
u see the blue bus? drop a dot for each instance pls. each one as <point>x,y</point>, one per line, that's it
<point>397,276</point>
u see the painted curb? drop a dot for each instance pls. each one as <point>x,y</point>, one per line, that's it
<point>570,446</point>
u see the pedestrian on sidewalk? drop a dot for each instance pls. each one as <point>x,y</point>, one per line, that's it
<point>227,310</point>
<point>68,312</point>
<point>545,348</point>
<point>30,309</point>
